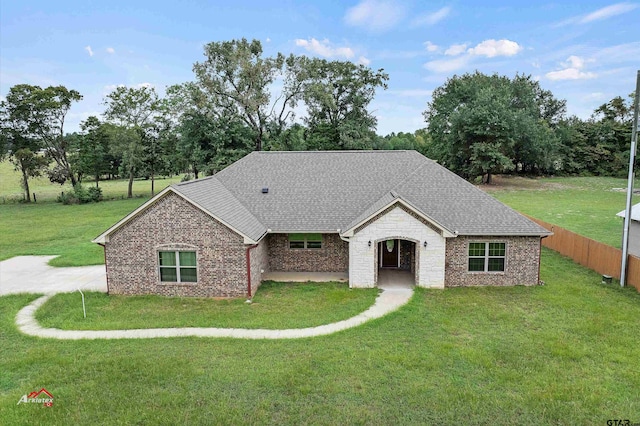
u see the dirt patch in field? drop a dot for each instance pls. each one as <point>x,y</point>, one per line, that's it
<point>516,183</point>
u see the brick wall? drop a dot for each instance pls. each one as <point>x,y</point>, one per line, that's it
<point>521,263</point>
<point>259,258</point>
<point>332,257</point>
<point>172,223</point>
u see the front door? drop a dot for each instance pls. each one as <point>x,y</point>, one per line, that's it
<point>390,253</point>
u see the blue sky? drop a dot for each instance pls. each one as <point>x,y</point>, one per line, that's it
<point>583,51</point>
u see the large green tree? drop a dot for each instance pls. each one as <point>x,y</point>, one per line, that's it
<point>93,147</point>
<point>133,111</point>
<point>21,149</point>
<point>39,115</point>
<point>337,95</point>
<point>599,145</point>
<point>481,125</point>
<point>237,77</point>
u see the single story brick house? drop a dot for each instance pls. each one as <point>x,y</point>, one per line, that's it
<point>354,212</point>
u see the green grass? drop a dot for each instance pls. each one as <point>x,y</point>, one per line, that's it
<point>585,205</point>
<point>275,306</point>
<point>46,192</point>
<point>563,353</point>
<point>53,228</point>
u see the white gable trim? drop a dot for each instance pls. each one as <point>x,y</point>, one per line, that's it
<point>445,232</point>
<point>104,237</point>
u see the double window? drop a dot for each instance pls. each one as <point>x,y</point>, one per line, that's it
<point>178,266</point>
<point>487,257</point>
<point>305,241</point>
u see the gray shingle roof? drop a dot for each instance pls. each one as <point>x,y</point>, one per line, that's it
<point>330,190</point>
<point>213,197</point>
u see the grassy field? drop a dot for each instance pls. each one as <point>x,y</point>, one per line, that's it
<point>53,228</point>
<point>585,205</point>
<point>11,191</point>
<point>275,306</point>
<point>563,353</point>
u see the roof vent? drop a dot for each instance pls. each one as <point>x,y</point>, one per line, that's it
<point>265,190</point>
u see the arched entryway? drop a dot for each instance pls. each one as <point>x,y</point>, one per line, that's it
<point>396,262</point>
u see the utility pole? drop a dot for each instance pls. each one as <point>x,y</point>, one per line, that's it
<point>632,162</point>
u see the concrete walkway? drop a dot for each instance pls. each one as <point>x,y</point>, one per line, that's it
<point>31,274</point>
<point>388,301</point>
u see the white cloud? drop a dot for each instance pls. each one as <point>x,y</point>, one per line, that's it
<point>88,49</point>
<point>491,48</point>
<point>376,15</point>
<point>574,62</point>
<point>431,18</point>
<point>600,14</point>
<point>111,50</point>
<point>364,61</point>
<point>608,12</point>
<point>594,96</point>
<point>455,49</point>
<point>430,46</point>
<point>323,48</point>
<point>572,70</point>
<point>569,74</point>
<point>447,65</point>
<point>268,40</point>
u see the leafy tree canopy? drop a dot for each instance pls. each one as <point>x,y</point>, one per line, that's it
<point>481,125</point>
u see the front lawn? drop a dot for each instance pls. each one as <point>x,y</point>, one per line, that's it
<point>275,306</point>
<point>563,353</point>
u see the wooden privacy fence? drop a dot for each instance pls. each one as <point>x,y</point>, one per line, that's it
<point>595,255</point>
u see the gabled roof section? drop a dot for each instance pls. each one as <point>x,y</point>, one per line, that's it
<point>635,213</point>
<point>211,197</point>
<point>388,200</point>
<point>460,206</point>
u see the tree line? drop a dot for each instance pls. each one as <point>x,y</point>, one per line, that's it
<point>480,125</point>
<point>241,100</point>
<point>198,127</point>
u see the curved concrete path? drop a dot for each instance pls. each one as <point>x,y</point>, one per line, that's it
<point>391,298</point>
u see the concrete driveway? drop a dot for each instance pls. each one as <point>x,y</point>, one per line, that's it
<point>31,274</point>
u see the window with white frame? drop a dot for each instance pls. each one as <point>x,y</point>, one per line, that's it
<point>487,257</point>
<point>305,241</point>
<point>178,266</point>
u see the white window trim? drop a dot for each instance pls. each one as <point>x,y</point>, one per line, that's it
<point>486,257</point>
<point>177,266</point>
